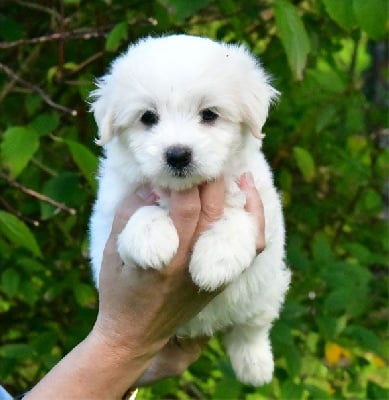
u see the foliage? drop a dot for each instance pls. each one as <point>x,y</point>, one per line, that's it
<point>325,140</point>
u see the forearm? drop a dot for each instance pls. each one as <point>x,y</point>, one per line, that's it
<point>92,370</point>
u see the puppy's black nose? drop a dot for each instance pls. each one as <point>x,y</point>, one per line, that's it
<point>178,157</point>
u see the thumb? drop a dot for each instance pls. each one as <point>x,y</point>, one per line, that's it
<point>144,196</point>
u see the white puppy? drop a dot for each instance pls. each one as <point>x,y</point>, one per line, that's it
<point>175,112</point>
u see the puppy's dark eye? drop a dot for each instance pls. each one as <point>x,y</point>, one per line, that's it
<point>149,118</point>
<point>208,115</point>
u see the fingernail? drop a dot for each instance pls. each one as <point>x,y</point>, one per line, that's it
<point>247,179</point>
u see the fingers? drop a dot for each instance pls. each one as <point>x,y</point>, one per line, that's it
<point>190,345</point>
<point>144,196</point>
<point>254,206</point>
<point>212,203</point>
<point>173,359</point>
<point>185,211</point>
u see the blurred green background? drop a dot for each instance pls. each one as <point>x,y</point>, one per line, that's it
<point>327,140</point>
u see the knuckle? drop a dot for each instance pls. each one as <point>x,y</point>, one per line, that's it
<point>212,211</point>
<point>189,210</point>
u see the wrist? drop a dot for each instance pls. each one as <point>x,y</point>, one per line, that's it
<point>100,367</point>
<point>125,343</point>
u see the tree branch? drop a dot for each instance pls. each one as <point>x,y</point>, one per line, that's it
<point>45,97</point>
<point>76,34</point>
<point>38,195</point>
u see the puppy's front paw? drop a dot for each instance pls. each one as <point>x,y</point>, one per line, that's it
<point>224,251</point>
<point>149,239</point>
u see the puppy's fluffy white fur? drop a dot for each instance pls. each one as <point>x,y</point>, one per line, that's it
<point>174,79</point>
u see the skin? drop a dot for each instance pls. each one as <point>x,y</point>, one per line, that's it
<point>140,310</point>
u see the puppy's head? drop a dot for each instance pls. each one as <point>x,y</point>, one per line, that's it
<point>182,106</point>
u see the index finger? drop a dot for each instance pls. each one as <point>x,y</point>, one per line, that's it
<point>144,196</point>
<point>184,211</point>
<point>212,203</point>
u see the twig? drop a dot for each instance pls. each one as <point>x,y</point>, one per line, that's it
<point>23,67</point>
<point>43,167</point>
<point>76,34</point>
<point>46,98</point>
<point>85,63</point>
<point>11,209</point>
<point>38,7</point>
<point>38,195</point>
<point>354,55</point>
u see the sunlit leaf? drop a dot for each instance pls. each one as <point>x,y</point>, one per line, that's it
<point>64,188</point>
<point>115,37</point>
<point>18,233</point>
<point>18,351</point>
<point>85,295</point>
<point>45,123</point>
<point>293,36</point>
<point>85,160</point>
<point>341,11</point>
<point>183,8</point>
<point>305,162</point>
<point>372,16</point>
<point>18,147</point>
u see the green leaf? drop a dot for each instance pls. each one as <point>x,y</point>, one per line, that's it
<point>85,160</point>
<point>45,123</point>
<point>382,164</point>
<point>85,295</point>
<point>183,9</point>
<point>293,36</point>
<point>341,11</point>
<point>64,188</point>
<point>377,392</point>
<point>372,16</point>
<point>281,333</point>
<point>327,326</point>
<point>293,360</point>
<point>321,249</point>
<point>18,233</point>
<point>297,256</point>
<point>305,163</point>
<point>325,117</point>
<point>10,280</point>
<point>327,79</point>
<point>18,147</point>
<point>291,390</point>
<point>365,337</point>
<point>117,34</point>
<point>10,29</point>
<point>16,350</point>
<point>371,201</point>
<point>318,392</point>
<point>227,388</point>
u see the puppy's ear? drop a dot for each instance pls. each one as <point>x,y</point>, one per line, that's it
<point>106,130</point>
<point>256,100</point>
<point>101,106</point>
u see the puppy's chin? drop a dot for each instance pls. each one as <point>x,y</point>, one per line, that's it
<point>179,183</point>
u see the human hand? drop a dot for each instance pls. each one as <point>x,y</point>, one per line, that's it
<point>142,309</point>
<point>175,357</point>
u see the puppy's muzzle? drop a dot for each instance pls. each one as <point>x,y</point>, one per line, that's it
<point>179,159</point>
